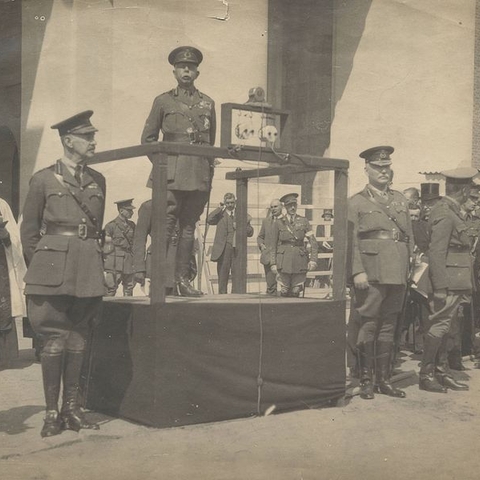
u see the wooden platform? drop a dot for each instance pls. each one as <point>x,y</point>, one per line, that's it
<point>215,358</point>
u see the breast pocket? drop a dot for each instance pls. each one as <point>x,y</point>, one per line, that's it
<point>58,203</point>
<point>175,122</point>
<point>48,263</point>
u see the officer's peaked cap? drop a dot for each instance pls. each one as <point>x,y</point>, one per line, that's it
<point>78,124</point>
<point>289,198</point>
<point>463,175</point>
<point>378,155</point>
<point>185,54</point>
<point>127,204</point>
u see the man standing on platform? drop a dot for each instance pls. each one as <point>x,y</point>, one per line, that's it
<point>450,271</point>
<point>382,246</point>
<point>184,115</point>
<point>289,256</point>
<point>265,244</point>
<point>224,248</point>
<point>118,250</point>
<point>60,232</point>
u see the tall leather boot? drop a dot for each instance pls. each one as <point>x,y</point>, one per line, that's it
<point>383,358</point>
<point>443,372</point>
<point>428,381</point>
<point>72,415</point>
<point>365,362</point>
<point>184,253</point>
<point>52,365</point>
<point>455,359</point>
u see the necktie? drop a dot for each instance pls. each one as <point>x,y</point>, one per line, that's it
<point>78,174</point>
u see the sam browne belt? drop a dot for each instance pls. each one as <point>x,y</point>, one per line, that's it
<point>81,231</point>
<point>384,235</point>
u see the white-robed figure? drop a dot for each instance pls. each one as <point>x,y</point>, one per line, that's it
<point>12,271</point>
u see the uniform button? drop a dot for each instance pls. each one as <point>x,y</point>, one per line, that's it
<point>45,247</point>
<point>190,107</point>
<point>84,220</point>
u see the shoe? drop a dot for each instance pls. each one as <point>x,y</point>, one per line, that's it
<point>457,366</point>
<point>184,289</point>
<point>74,419</point>
<point>366,390</point>
<point>386,388</point>
<point>430,384</point>
<point>449,382</point>
<point>52,424</point>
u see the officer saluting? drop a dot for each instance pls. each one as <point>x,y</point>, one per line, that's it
<point>118,249</point>
<point>450,271</point>
<point>382,245</point>
<point>184,115</point>
<point>289,257</point>
<point>64,281</point>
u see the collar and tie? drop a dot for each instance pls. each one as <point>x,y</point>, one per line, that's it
<point>78,174</point>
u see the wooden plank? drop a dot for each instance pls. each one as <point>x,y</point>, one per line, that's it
<point>159,238</point>
<point>252,154</point>
<point>267,172</point>
<point>340,235</point>
<point>239,276</point>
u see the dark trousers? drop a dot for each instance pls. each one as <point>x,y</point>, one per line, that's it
<point>271,279</point>
<point>113,280</point>
<point>186,207</point>
<point>225,265</point>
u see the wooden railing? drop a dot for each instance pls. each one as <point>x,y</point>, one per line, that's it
<point>282,164</point>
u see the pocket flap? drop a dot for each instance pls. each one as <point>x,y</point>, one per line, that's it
<point>457,259</point>
<point>56,243</point>
<point>369,248</point>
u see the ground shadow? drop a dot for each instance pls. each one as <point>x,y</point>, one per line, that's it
<point>12,421</point>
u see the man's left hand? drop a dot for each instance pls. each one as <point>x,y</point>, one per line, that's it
<point>312,265</point>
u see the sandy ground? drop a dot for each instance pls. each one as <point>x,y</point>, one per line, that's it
<point>424,436</point>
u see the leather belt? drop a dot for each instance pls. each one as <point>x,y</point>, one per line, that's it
<point>459,248</point>
<point>384,235</point>
<point>295,244</point>
<point>81,231</point>
<point>194,138</point>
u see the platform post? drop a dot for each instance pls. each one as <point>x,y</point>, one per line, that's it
<point>158,232</point>
<point>239,277</point>
<point>340,236</point>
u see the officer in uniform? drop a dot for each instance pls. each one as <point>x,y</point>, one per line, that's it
<point>118,250</point>
<point>265,244</point>
<point>184,115</point>
<point>289,255</point>
<point>450,272</point>
<point>60,232</point>
<point>381,245</point>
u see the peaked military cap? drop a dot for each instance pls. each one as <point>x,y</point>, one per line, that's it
<point>327,212</point>
<point>127,204</point>
<point>289,198</point>
<point>463,175</point>
<point>78,124</point>
<point>429,191</point>
<point>378,155</point>
<point>185,54</point>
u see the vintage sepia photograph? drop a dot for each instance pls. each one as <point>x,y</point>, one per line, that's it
<point>239,239</point>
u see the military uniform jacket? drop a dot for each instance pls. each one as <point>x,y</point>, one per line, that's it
<point>384,261</point>
<point>265,237</point>
<point>184,117</point>
<point>60,264</point>
<point>121,258</point>
<point>141,256</point>
<point>289,253</point>
<point>449,258</point>
<point>225,233</point>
